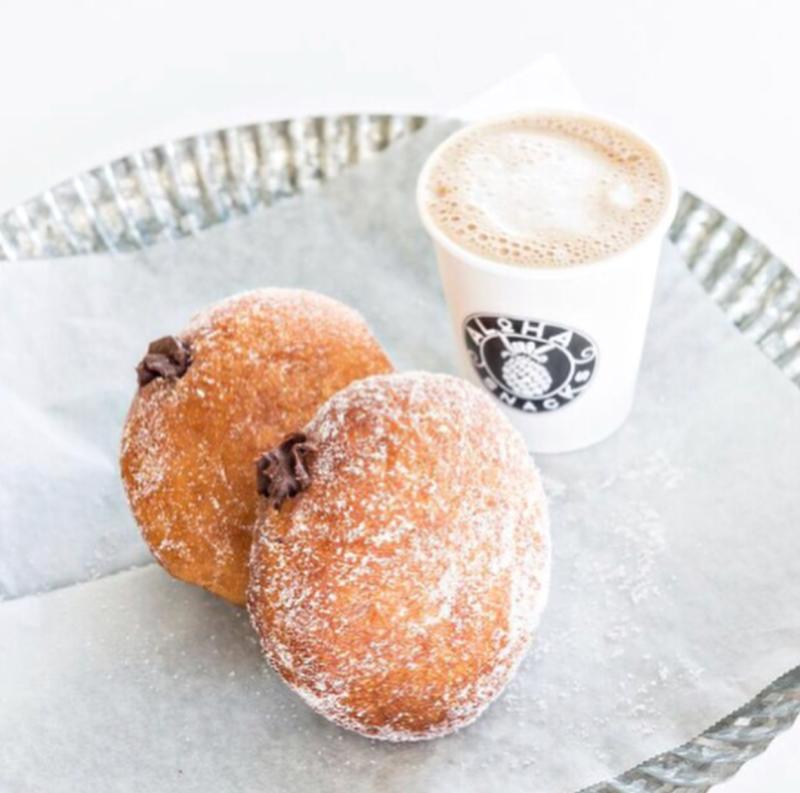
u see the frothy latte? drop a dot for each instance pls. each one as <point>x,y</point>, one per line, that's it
<point>545,190</point>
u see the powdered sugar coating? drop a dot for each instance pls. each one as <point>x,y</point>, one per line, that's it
<point>399,592</point>
<point>262,363</point>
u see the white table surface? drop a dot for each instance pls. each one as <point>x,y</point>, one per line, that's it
<point>714,81</point>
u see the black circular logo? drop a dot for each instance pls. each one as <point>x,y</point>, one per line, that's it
<point>529,364</point>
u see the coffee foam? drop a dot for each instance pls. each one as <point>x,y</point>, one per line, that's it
<point>546,190</point>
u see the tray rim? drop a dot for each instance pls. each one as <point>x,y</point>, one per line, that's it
<point>203,180</point>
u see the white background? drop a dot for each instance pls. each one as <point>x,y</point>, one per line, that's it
<point>714,82</point>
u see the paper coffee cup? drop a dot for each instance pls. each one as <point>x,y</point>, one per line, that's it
<point>558,347</point>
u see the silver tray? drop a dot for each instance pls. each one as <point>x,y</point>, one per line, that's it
<point>178,189</point>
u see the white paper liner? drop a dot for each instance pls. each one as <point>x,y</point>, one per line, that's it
<point>675,580</point>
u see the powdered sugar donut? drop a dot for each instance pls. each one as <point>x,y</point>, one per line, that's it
<point>244,372</point>
<point>399,581</point>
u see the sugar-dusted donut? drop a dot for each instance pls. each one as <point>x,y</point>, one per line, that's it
<point>243,373</point>
<point>401,556</point>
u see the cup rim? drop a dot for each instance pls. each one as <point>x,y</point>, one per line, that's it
<point>658,229</point>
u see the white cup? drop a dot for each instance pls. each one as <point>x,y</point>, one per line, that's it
<point>584,324</point>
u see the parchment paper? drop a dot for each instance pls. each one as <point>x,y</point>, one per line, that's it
<point>675,588</point>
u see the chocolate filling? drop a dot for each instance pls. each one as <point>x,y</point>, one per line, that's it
<point>283,472</point>
<point>167,357</point>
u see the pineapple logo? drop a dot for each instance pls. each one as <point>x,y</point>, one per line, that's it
<point>529,364</point>
<point>524,371</point>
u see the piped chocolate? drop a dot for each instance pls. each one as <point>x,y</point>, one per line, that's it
<point>167,357</point>
<point>283,472</point>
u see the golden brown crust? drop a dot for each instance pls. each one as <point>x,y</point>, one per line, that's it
<point>398,592</point>
<point>262,363</point>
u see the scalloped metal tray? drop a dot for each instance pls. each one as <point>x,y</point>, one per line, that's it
<point>179,188</point>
